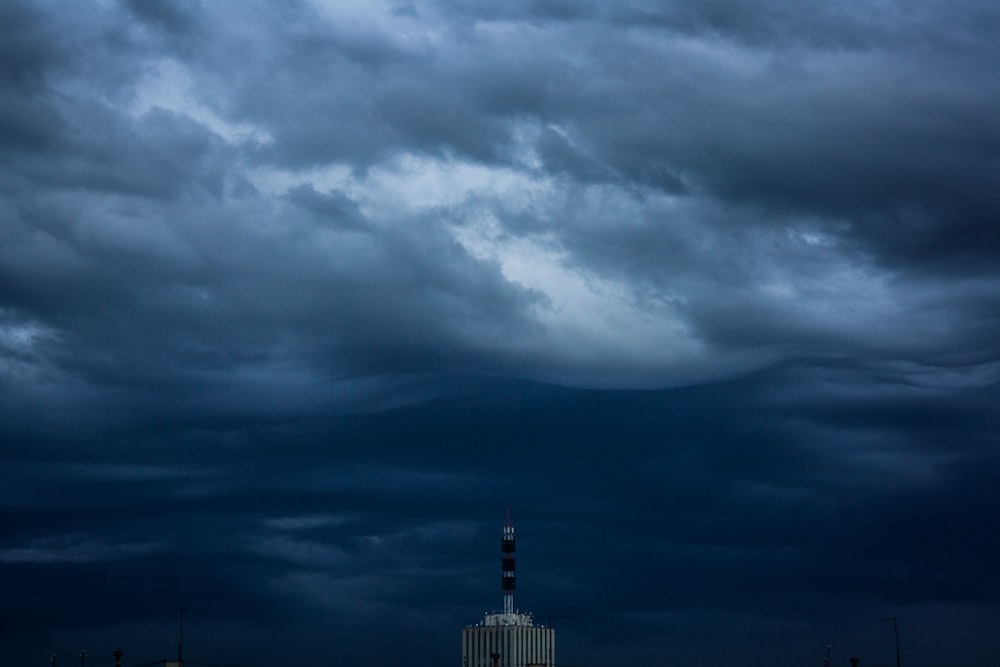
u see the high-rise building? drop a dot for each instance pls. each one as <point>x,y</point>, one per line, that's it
<point>508,638</point>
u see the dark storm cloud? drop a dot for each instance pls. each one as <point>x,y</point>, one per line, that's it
<point>29,46</point>
<point>880,118</point>
<point>176,17</point>
<point>293,298</point>
<point>335,207</point>
<point>740,517</point>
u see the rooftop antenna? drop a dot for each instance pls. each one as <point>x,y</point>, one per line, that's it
<point>180,636</point>
<point>895,629</point>
<point>507,580</point>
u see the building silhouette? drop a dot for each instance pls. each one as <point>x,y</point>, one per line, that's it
<point>508,638</point>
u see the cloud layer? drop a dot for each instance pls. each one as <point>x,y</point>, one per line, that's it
<point>294,297</point>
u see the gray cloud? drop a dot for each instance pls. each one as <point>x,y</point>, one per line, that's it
<point>293,297</point>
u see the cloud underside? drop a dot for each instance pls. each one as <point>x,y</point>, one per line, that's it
<point>678,197</point>
<point>288,289</point>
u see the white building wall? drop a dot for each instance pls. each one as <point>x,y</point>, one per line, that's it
<point>518,646</point>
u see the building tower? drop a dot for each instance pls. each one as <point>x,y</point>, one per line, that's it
<point>509,638</point>
<point>507,580</point>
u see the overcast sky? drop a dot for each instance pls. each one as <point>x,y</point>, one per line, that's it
<point>296,297</point>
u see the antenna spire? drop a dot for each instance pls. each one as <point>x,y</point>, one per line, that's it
<point>507,580</point>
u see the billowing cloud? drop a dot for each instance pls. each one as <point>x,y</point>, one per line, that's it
<point>294,296</point>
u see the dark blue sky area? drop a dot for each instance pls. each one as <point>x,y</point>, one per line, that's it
<point>296,297</point>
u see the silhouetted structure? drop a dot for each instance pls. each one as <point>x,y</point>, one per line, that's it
<point>510,638</point>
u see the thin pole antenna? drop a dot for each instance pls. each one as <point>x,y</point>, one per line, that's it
<point>180,634</point>
<point>895,629</point>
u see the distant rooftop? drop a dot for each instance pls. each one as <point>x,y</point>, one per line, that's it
<point>506,619</point>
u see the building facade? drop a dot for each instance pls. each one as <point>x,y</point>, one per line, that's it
<point>508,640</point>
